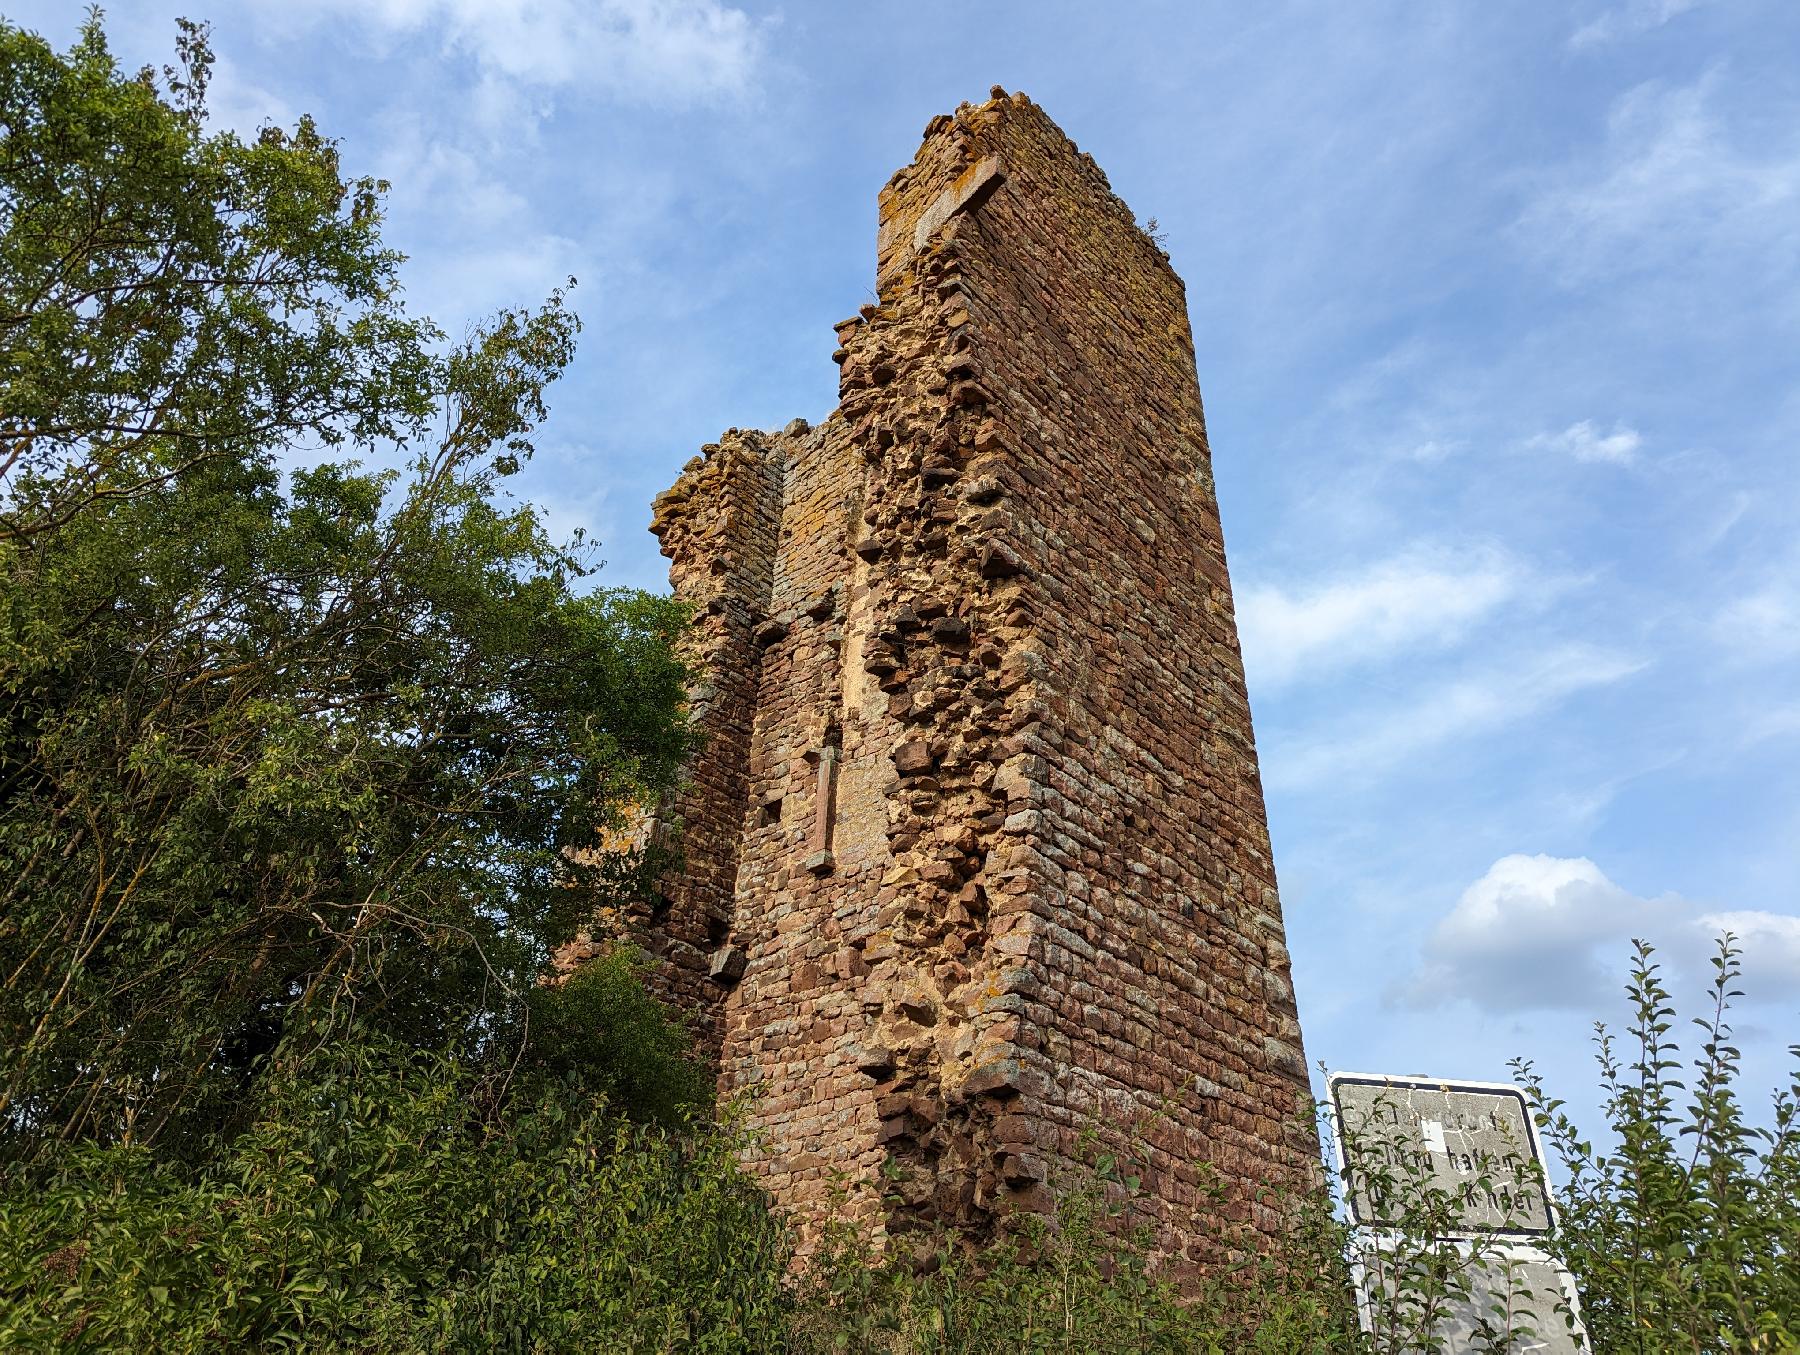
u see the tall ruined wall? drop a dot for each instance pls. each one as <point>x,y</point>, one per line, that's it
<point>977,858</point>
<point>719,525</point>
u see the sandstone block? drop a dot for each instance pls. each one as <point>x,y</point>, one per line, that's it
<point>913,757</point>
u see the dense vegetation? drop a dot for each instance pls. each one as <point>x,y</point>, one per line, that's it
<point>302,773</point>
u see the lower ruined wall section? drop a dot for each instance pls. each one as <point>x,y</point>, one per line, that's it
<point>977,877</point>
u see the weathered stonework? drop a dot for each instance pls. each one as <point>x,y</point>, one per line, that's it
<point>976,855</point>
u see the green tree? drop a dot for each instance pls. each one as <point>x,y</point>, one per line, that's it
<point>169,297</point>
<point>280,753</point>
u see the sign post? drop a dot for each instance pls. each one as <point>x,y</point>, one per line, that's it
<point>1445,1186</point>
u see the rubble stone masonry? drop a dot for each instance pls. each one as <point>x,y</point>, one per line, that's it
<point>976,861</point>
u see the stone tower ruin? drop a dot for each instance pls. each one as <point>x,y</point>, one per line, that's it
<point>976,861</point>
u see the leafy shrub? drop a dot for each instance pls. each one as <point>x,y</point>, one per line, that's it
<point>599,1026</point>
<point>1080,1281</point>
<point>384,1199</point>
<point>1685,1234</point>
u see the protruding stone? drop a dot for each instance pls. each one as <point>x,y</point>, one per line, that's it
<point>1023,1169</point>
<point>971,188</point>
<point>1002,1077</point>
<point>1000,561</point>
<point>728,964</point>
<point>876,1061</point>
<point>913,757</point>
<point>919,1009</point>
<point>952,631</point>
<point>983,490</point>
<point>891,1129</point>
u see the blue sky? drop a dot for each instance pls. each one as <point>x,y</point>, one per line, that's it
<point>1498,321</point>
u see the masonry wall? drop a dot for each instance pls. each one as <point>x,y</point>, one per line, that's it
<point>976,858</point>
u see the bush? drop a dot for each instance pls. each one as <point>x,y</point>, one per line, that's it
<point>1080,1281</point>
<point>1685,1235</point>
<point>383,1199</point>
<point>572,1195</point>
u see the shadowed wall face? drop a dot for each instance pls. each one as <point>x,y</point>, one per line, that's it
<point>976,857</point>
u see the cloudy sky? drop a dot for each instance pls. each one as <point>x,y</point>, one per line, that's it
<point>1498,316</point>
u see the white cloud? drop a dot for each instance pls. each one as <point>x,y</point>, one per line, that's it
<point>1551,933</point>
<point>1770,943</point>
<point>1531,934</point>
<point>1764,623</point>
<point>1768,619</point>
<point>1722,524</point>
<point>1670,189</point>
<point>1432,450</point>
<point>1418,600</point>
<point>486,247</point>
<point>1782,722</point>
<point>1585,442</point>
<point>234,101</point>
<point>1628,20</point>
<point>1375,380</point>
<point>653,51</point>
<point>1505,691</point>
<point>429,172</point>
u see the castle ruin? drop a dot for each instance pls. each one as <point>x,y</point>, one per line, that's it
<point>976,859</point>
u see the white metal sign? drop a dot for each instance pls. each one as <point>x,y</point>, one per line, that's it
<point>1466,1157</point>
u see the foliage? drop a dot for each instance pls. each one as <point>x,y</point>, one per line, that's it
<point>599,1027</point>
<point>169,296</point>
<point>1681,1239</point>
<point>1427,1288</point>
<point>384,1199</point>
<point>272,747</point>
<point>1685,1235</point>
<point>1085,1281</point>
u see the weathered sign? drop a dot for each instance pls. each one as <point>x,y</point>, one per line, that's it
<point>1402,1137</point>
<point>1461,1160</point>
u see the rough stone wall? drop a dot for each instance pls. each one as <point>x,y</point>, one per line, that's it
<point>719,525</point>
<point>977,859</point>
